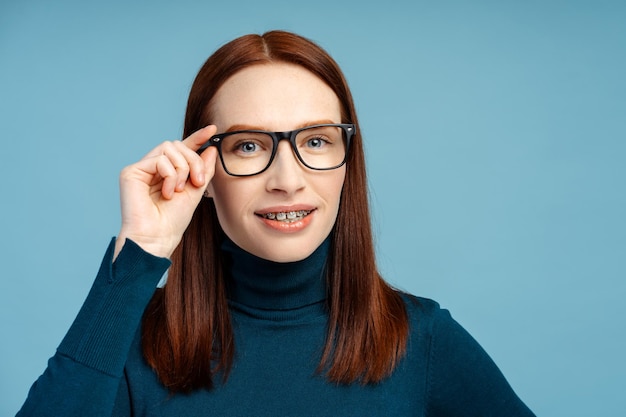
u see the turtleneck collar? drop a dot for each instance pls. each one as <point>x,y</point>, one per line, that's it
<point>266,285</point>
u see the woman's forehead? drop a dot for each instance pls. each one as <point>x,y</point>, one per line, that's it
<point>275,96</point>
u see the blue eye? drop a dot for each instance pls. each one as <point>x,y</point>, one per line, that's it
<point>316,143</point>
<point>248,147</point>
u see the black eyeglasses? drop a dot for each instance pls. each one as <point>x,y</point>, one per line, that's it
<point>250,152</point>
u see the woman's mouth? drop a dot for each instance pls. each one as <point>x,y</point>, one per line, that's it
<point>286,216</point>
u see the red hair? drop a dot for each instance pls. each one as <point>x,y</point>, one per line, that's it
<point>187,335</point>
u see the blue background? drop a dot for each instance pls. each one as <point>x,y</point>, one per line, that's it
<point>496,142</point>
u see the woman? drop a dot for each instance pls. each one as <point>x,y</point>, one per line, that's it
<point>273,304</point>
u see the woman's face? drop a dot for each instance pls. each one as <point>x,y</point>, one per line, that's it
<point>276,97</point>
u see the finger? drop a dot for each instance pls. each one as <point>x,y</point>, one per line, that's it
<point>157,151</point>
<point>166,170</point>
<point>179,156</point>
<point>200,137</point>
<point>196,166</point>
<point>193,141</point>
<point>156,172</point>
<point>209,157</point>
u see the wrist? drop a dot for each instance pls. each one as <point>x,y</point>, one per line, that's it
<point>156,247</point>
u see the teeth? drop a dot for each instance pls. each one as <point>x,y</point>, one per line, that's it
<point>289,216</point>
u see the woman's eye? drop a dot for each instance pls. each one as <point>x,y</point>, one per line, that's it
<point>248,147</point>
<point>316,143</point>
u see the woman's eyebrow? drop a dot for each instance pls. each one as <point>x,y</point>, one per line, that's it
<point>237,127</point>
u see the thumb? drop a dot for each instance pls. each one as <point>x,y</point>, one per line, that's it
<point>209,157</point>
<point>203,178</point>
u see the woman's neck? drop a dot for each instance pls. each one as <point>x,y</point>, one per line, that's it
<point>267,285</point>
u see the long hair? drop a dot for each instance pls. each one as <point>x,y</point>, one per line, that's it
<point>187,335</point>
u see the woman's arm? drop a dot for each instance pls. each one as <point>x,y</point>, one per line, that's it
<point>159,194</point>
<point>83,377</point>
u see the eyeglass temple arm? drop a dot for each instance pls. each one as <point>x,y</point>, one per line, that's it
<point>210,142</point>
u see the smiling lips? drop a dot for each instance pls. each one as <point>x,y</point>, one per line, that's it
<point>288,216</point>
<point>288,221</point>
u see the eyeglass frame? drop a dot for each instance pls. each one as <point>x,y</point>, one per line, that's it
<point>349,130</point>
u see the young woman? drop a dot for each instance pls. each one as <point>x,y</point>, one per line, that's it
<point>273,304</point>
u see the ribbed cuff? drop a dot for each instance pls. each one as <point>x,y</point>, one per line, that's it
<point>103,331</point>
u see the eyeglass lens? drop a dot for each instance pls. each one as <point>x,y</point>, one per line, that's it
<point>248,153</point>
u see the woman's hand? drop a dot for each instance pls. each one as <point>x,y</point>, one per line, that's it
<point>160,192</point>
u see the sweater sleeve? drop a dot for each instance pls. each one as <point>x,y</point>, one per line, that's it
<point>462,379</point>
<point>83,377</point>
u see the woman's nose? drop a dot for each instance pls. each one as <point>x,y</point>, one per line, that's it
<point>286,174</point>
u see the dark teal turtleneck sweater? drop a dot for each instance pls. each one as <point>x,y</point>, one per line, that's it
<point>279,318</point>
